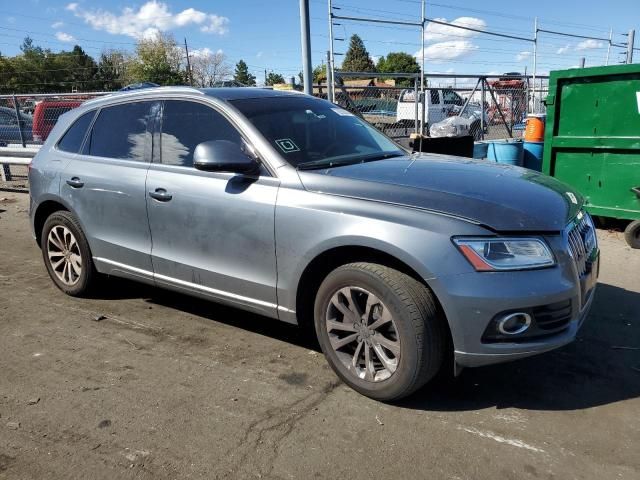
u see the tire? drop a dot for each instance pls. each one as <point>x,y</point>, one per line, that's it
<point>62,239</point>
<point>632,234</point>
<point>412,342</point>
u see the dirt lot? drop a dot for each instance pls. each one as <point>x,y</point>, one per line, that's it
<point>171,387</point>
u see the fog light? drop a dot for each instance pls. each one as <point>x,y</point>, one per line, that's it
<point>514,323</point>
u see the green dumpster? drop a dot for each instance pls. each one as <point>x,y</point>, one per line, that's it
<point>592,139</point>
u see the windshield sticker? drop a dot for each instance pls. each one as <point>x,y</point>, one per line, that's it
<point>572,197</point>
<point>287,145</point>
<point>344,113</point>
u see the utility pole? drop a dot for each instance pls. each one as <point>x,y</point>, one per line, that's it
<point>535,65</point>
<point>331,58</point>
<point>422,54</point>
<point>186,49</point>
<point>305,35</point>
<point>582,62</point>
<point>329,77</point>
<point>609,46</point>
<point>630,42</point>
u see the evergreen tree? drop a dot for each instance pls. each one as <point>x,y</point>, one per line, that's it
<point>242,74</point>
<point>357,58</point>
<point>274,78</point>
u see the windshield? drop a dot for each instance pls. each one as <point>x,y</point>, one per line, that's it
<point>313,133</point>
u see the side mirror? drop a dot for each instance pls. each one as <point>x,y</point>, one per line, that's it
<point>223,156</point>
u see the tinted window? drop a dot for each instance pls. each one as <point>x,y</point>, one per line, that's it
<point>121,131</point>
<point>7,119</point>
<point>72,140</point>
<point>435,97</point>
<point>187,124</point>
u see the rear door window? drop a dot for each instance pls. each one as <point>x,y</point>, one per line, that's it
<point>185,125</point>
<point>122,131</point>
<point>72,140</point>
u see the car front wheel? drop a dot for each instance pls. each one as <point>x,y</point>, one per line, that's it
<point>379,329</point>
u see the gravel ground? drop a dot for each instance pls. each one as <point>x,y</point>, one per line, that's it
<point>171,387</point>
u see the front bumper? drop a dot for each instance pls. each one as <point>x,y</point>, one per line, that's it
<point>505,352</point>
<point>472,300</point>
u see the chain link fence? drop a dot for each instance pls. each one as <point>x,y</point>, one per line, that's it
<point>491,107</point>
<point>28,119</point>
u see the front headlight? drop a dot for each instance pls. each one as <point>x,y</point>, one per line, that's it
<point>497,254</point>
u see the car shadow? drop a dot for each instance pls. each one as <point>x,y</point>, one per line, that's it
<point>601,367</point>
<point>120,289</point>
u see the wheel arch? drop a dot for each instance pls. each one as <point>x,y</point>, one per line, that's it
<point>43,211</point>
<point>326,261</point>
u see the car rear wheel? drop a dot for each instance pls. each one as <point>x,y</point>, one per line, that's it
<point>66,254</point>
<point>379,329</point>
<point>632,234</point>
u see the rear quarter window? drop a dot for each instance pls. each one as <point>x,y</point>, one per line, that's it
<point>71,141</point>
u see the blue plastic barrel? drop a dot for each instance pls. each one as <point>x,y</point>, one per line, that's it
<point>533,155</point>
<point>480,150</point>
<point>506,151</point>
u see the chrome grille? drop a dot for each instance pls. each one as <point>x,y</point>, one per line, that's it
<point>582,242</point>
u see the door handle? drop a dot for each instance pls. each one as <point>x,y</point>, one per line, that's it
<point>636,190</point>
<point>75,182</point>
<point>161,195</point>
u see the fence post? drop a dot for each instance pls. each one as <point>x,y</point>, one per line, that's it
<point>482,82</point>
<point>417,100</point>
<point>20,121</point>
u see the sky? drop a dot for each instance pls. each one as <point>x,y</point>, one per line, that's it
<point>266,34</point>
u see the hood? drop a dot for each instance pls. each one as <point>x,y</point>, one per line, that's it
<point>500,197</point>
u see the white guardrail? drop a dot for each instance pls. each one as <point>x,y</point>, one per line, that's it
<point>15,156</point>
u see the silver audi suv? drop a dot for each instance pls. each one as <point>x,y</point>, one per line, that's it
<point>291,207</point>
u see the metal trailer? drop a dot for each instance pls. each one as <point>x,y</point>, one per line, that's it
<point>592,139</point>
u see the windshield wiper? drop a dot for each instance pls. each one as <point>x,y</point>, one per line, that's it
<point>328,163</point>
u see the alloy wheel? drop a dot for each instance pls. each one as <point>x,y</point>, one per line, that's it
<point>363,334</point>
<point>64,255</point>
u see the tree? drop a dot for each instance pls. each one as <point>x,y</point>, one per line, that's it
<point>399,62</point>
<point>357,58</point>
<point>274,78</point>
<point>243,75</point>
<point>209,67</point>
<point>319,74</point>
<point>159,60</point>
<point>80,69</point>
<point>112,68</point>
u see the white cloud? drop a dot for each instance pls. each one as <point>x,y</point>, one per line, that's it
<point>65,37</point>
<point>149,19</point>
<point>443,51</point>
<point>448,42</point>
<point>259,54</point>
<point>589,45</point>
<point>11,19</point>
<point>563,50</point>
<point>437,32</point>
<point>523,56</point>
<point>204,52</point>
<point>57,24</point>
